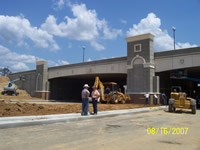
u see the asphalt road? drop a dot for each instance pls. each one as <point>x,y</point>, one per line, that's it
<point>174,131</point>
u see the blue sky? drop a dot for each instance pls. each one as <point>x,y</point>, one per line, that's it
<point>56,30</point>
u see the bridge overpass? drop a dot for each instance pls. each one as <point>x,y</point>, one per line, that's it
<point>142,70</point>
<point>164,61</point>
<point>177,59</point>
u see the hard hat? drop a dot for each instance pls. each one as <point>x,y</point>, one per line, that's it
<point>86,85</point>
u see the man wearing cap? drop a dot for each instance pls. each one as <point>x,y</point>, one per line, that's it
<point>85,101</point>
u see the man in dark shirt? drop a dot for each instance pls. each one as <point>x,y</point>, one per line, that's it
<point>85,101</point>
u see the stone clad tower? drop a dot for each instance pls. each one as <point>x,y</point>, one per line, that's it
<point>141,77</point>
<point>42,84</point>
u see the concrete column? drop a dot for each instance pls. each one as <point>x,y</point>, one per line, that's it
<point>42,84</point>
<point>141,68</point>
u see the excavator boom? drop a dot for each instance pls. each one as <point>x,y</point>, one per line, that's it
<point>99,84</point>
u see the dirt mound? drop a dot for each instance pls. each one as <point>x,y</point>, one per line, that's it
<point>23,95</point>
<point>26,109</point>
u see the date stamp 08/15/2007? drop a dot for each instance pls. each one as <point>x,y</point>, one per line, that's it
<point>167,131</point>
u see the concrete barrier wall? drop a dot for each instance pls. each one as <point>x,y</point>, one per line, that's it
<point>177,59</point>
<point>107,66</point>
<point>29,84</point>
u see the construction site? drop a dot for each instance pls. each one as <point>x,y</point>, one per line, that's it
<point>25,105</point>
<point>99,75</point>
<point>54,90</point>
<point>140,96</point>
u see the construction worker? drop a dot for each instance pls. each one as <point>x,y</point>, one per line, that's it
<point>107,90</point>
<point>95,96</point>
<point>85,101</point>
<point>147,98</point>
<point>155,99</point>
<point>163,98</point>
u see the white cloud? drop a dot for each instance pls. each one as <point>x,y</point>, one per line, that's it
<point>20,66</point>
<point>109,33</point>
<point>185,45</point>
<point>58,4</point>
<point>151,24</point>
<point>89,60</point>
<point>97,46</point>
<point>123,21</point>
<point>16,62</point>
<point>3,50</point>
<point>62,62</point>
<point>84,26</point>
<point>19,29</point>
<point>20,62</point>
<point>57,63</point>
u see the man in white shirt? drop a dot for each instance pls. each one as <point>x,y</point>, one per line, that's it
<point>147,98</point>
<point>155,99</point>
<point>95,96</point>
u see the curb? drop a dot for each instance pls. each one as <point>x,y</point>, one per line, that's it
<point>12,122</point>
<point>13,100</point>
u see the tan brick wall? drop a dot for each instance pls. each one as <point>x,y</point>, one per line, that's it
<point>42,94</point>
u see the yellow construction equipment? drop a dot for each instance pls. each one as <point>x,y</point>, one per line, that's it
<point>178,99</point>
<point>110,93</point>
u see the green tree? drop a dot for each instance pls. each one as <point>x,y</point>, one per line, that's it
<point>5,71</point>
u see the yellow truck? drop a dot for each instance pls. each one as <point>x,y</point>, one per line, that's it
<point>110,93</point>
<point>178,99</point>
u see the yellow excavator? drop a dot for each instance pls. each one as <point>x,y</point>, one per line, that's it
<point>110,93</point>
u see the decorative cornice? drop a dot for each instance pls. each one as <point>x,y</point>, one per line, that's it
<point>149,65</point>
<point>41,62</point>
<point>140,37</point>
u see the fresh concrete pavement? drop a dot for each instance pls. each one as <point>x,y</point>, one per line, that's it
<point>128,131</point>
<point>10,122</point>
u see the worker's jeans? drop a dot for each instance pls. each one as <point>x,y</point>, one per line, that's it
<point>155,101</point>
<point>94,102</point>
<point>147,101</point>
<point>85,105</point>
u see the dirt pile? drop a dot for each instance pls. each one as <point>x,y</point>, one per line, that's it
<point>23,95</point>
<point>26,109</point>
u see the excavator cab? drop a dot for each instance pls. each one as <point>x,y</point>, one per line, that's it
<point>110,92</point>
<point>111,87</point>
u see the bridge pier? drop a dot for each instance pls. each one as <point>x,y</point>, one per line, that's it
<point>41,83</point>
<point>141,77</point>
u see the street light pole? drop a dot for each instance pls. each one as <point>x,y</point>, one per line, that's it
<point>174,29</point>
<point>83,53</point>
